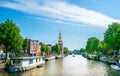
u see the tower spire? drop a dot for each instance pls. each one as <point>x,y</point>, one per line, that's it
<point>60,42</point>
<point>60,37</point>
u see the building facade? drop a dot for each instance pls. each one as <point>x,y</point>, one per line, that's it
<point>33,46</point>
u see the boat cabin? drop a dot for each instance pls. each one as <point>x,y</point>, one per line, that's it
<point>26,63</point>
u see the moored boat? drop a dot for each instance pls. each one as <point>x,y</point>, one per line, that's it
<point>103,59</point>
<point>25,63</point>
<point>49,58</point>
<point>73,55</point>
<point>59,57</point>
<point>115,67</point>
<point>111,62</point>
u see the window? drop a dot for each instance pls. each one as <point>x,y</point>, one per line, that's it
<point>13,61</point>
<point>17,63</point>
<point>30,61</point>
<point>36,60</point>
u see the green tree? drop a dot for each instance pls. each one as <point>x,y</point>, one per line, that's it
<point>82,50</point>
<point>103,48</point>
<point>10,37</point>
<point>65,50</point>
<point>56,49</point>
<point>53,50</point>
<point>112,36</point>
<point>45,49</point>
<point>93,45</point>
<point>25,44</point>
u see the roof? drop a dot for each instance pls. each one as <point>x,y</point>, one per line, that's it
<point>27,58</point>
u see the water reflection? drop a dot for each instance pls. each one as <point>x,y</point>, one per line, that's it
<point>69,66</point>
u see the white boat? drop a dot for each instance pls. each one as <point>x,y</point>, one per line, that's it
<point>73,55</point>
<point>25,63</point>
<point>115,67</point>
<point>59,57</point>
<point>49,58</point>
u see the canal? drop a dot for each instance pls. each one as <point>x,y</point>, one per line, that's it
<point>69,66</point>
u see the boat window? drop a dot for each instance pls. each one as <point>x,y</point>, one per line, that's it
<point>30,61</point>
<point>17,62</point>
<point>39,59</point>
<point>36,60</point>
<point>43,58</point>
<point>13,61</point>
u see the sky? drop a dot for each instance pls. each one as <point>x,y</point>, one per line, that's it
<point>77,20</point>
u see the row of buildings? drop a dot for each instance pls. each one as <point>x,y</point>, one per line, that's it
<point>34,46</point>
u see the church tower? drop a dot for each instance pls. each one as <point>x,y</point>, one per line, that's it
<point>60,43</point>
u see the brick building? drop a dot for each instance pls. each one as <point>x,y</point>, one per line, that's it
<point>33,46</point>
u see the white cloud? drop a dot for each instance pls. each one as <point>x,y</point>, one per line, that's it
<point>59,11</point>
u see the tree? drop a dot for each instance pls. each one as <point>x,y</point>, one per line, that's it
<point>93,45</point>
<point>56,49</point>
<point>82,50</point>
<point>53,49</point>
<point>45,49</point>
<point>65,50</point>
<point>103,48</point>
<point>10,37</point>
<point>112,36</point>
<point>25,44</point>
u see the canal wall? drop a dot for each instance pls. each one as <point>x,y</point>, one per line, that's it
<point>101,58</point>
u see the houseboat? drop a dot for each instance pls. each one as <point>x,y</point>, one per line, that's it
<point>25,63</point>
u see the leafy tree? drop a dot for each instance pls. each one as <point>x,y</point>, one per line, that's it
<point>56,49</point>
<point>65,50</point>
<point>82,50</point>
<point>25,44</point>
<point>103,47</point>
<point>93,45</point>
<point>53,49</point>
<point>10,37</point>
<point>45,49</point>
<point>112,36</point>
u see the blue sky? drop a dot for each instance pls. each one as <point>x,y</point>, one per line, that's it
<point>77,20</point>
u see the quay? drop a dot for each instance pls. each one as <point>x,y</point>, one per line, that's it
<point>115,64</point>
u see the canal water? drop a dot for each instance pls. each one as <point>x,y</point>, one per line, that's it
<point>69,66</point>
